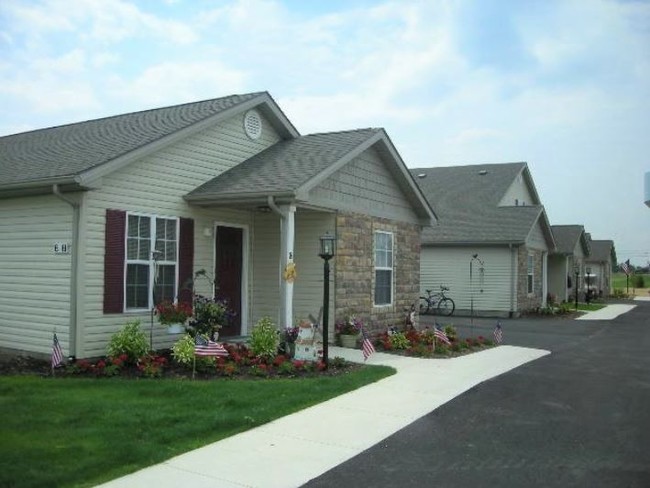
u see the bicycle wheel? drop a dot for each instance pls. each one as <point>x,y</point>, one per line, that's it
<point>424,305</point>
<point>446,307</point>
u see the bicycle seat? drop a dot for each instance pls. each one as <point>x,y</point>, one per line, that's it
<point>444,288</point>
<point>428,291</point>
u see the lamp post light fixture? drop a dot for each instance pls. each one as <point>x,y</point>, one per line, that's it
<point>327,252</point>
<point>576,271</point>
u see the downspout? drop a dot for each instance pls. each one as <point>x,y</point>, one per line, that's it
<point>74,266</point>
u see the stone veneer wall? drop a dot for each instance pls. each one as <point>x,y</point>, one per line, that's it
<point>526,301</point>
<point>355,273</point>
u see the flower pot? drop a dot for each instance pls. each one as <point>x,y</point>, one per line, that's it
<point>175,328</point>
<point>349,340</point>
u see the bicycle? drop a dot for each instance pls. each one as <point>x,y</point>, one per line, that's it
<point>438,301</point>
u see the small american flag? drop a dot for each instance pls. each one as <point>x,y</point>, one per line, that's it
<point>439,334</point>
<point>366,346</point>
<point>206,347</point>
<point>57,352</point>
<point>625,267</point>
<point>498,333</point>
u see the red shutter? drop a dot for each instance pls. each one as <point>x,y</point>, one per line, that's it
<point>114,261</point>
<point>185,260</point>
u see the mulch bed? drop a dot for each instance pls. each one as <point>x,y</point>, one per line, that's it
<point>244,369</point>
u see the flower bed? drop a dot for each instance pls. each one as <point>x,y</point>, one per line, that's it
<point>425,344</point>
<point>241,363</point>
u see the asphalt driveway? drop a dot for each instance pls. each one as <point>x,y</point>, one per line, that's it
<point>578,417</point>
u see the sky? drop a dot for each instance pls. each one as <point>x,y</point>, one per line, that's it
<point>563,85</point>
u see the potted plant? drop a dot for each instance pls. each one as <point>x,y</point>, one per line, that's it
<point>210,314</point>
<point>348,331</point>
<point>289,337</point>
<point>173,315</point>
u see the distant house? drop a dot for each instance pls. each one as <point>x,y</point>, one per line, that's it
<point>492,211</point>
<point>572,251</point>
<point>91,212</point>
<point>599,265</point>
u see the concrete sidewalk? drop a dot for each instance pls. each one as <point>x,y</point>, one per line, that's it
<point>294,449</point>
<point>608,313</point>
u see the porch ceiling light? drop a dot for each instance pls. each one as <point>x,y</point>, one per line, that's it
<point>327,246</point>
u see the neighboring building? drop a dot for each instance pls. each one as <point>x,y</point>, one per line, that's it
<point>493,211</point>
<point>572,250</point>
<point>225,185</point>
<point>647,189</point>
<point>599,266</point>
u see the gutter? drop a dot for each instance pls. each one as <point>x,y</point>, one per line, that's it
<point>74,266</point>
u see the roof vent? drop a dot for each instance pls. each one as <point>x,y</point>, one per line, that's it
<point>483,172</point>
<point>253,124</point>
<point>422,175</point>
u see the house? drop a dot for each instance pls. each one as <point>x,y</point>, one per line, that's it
<point>599,265</point>
<point>568,261</point>
<point>91,212</point>
<point>492,240</point>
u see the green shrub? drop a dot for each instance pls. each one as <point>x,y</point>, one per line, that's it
<point>619,293</point>
<point>399,341</point>
<point>265,339</point>
<point>183,350</point>
<point>451,332</point>
<point>639,282</point>
<point>130,341</point>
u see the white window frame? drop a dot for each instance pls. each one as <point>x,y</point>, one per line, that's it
<point>530,274</point>
<point>384,268</point>
<point>153,218</point>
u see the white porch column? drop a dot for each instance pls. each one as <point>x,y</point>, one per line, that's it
<point>286,257</point>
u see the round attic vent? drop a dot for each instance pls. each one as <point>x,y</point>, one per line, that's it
<point>253,124</point>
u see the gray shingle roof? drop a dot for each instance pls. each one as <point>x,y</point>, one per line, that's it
<point>601,250</point>
<point>466,203</point>
<point>285,166</point>
<point>68,150</point>
<point>566,237</point>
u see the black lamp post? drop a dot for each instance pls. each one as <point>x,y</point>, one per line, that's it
<point>327,251</point>
<point>587,280</point>
<point>576,271</point>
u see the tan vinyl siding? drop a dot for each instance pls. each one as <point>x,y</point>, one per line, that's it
<point>265,286</point>
<point>449,266</point>
<point>536,238</point>
<point>34,282</point>
<point>308,287</point>
<point>156,184</point>
<point>557,277</point>
<point>517,194</point>
<point>365,186</point>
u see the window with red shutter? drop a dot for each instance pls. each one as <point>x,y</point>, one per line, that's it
<point>146,259</point>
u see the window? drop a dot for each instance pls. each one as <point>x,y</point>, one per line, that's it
<point>530,273</point>
<point>383,268</point>
<point>151,258</point>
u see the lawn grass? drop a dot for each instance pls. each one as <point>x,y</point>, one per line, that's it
<point>619,280</point>
<point>70,432</point>
<point>590,307</point>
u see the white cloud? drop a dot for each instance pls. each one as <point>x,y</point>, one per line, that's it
<point>177,82</point>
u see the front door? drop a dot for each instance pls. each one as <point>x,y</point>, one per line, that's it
<point>228,274</point>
